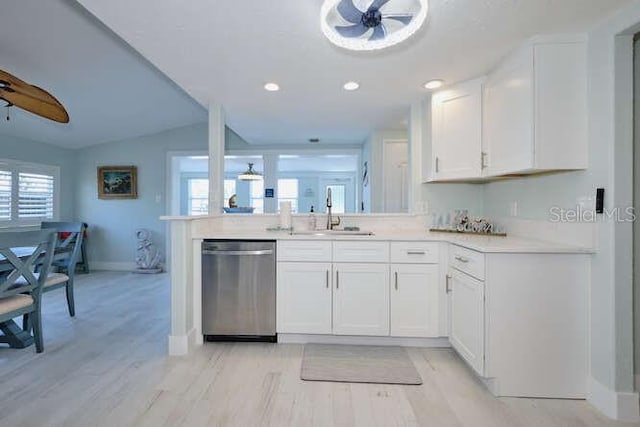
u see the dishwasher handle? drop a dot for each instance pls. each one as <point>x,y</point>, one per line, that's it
<point>237,253</point>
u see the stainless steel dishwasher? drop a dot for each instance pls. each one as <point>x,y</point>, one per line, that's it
<point>239,290</point>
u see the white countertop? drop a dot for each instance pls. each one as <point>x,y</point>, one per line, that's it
<point>486,244</point>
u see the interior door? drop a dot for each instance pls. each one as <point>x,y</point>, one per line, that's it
<point>395,176</point>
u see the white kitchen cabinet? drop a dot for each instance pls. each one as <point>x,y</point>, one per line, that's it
<point>467,318</point>
<point>456,125</point>
<point>535,110</point>
<point>361,299</point>
<point>414,300</point>
<point>304,298</point>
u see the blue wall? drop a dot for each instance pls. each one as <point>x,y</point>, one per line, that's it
<point>36,152</point>
<point>113,223</point>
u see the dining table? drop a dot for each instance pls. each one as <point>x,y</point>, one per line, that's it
<point>13,334</point>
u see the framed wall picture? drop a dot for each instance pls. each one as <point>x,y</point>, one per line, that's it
<point>117,182</point>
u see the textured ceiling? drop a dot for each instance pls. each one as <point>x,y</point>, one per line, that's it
<point>225,50</point>
<point>109,90</point>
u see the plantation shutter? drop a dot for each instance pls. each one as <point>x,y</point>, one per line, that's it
<point>35,195</point>
<point>5,195</point>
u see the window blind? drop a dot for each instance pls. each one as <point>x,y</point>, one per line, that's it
<point>5,195</point>
<point>35,195</point>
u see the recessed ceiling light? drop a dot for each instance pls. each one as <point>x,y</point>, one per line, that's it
<point>434,84</point>
<point>272,87</point>
<point>351,86</point>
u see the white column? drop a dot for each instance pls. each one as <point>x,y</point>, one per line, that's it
<point>416,142</point>
<point>182,331</point>
<point>271,181</point>
<point>216,158</point>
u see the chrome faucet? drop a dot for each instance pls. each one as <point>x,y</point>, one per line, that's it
<point>330,221</point>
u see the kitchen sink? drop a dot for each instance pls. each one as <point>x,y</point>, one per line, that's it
<point>332,233</point>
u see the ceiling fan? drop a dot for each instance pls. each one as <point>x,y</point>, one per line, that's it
<point>31,98</point>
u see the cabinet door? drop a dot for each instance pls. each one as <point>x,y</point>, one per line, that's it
<point>304,298</point>
<point>414,300</point>
<point>467,318</point>
<point>457,132</point>
<point>508,116</point>
<point>361,299</point>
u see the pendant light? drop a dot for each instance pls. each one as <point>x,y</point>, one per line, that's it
<point>250,174</point>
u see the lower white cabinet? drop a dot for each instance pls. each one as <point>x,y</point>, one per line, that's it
<point>414,300</point>
<point>361,299</point>
<point>304,297</point>
<point>467,318</point>
<point>360,293</point>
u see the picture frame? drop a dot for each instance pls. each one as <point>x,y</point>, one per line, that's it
<point>117,182</point>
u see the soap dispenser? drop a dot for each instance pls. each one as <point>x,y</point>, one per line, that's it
<point>313,223</point>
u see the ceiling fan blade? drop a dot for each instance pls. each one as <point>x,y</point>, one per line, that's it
<point>31,98</point>
<point>352,31</point>
<point>349,11</point>
<point>379,33</point>
<point>405,18</point>
<point>55,112</point>
<point>377,4</point>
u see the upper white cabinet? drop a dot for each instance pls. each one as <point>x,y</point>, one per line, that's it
<point>528,115</point>
<point>535,110</point>
<point>456,125</point>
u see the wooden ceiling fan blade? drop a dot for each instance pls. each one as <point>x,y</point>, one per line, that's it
<point>55,112</point>
<point>31,98</point>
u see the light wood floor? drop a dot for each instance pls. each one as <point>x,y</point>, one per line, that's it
<point>108,367</point>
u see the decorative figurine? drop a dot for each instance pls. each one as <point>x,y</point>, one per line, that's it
<point>147,255</point>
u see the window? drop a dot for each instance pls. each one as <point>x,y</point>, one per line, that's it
<point>338,197</point>
<point>28,192</point>
<point>288,192</point>
<point>256,196</point>
<point>198,196</point>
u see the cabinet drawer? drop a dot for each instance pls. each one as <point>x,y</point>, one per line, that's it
<point>467,261</point>
<point>414,252</point>
<point>352,251</point>
<point>304,250</point>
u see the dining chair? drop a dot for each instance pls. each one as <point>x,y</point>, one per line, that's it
<point>20,287</point>
<point>69,242</point>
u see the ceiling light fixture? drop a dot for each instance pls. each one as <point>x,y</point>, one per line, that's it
<point>352,25</point>
<point>272,87</point>
<point>434,84</point>
<point>351,86</point>
<point>250,174</point>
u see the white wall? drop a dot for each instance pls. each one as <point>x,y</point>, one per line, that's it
<point>111,242</point>
<point>36,152</point>
<point>373,152</point>
<point>636,203</point>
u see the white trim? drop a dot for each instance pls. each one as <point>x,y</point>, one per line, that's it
<point>622,406</point>
<point>179,345</point>
<point>113,266</point>
<point>362,340</point>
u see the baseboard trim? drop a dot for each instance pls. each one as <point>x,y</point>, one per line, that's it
<point>179,345</point>
<point>618,405</point>
<point>362,340</point>
<point>113,266</point>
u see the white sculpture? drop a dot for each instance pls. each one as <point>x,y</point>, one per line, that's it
<point>147,255</point>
